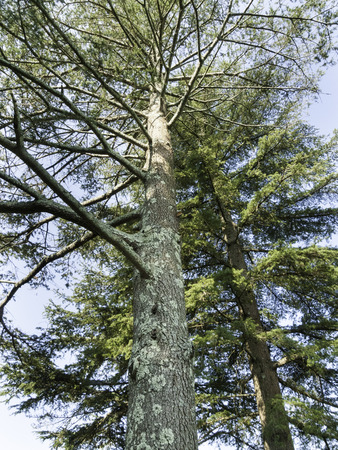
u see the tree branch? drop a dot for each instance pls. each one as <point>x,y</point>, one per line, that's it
<point>58,255</point>
<point>43,263</point>
<point>302,391</point>
<point>21,73</point>
<point>201,59</point>
<point>91,69</point>
<point>116,238</point>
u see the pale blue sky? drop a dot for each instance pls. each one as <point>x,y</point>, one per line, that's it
<point>16,432</point>
<point>324,113</point>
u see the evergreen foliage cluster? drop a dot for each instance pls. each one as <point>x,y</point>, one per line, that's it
<point>256,191</point>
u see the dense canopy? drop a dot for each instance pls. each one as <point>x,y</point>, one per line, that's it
<point>153,157</point>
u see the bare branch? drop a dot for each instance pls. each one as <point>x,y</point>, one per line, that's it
<point>208,49</point>
<point>43,263</point>
<point>91,69</point>
<point>116,238</point>
<point>79,114</point>
<point>58,255</point>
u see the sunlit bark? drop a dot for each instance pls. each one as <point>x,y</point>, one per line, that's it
<point>161,395</point>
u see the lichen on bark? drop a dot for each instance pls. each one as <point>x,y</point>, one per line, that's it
<point>161,375</point>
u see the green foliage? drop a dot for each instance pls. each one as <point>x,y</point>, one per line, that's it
<point>76,367</point>
<point>276,185</point>
<point>82,74</point>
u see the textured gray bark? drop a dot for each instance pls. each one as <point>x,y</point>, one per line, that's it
<point>161,410</point>
<point>275,427</point>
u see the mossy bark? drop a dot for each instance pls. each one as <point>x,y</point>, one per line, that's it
<point>161,412</point>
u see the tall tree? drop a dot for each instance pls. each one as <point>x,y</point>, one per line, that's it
<point>262,293</point>
<point>89,97</point>
<point>94,325</point>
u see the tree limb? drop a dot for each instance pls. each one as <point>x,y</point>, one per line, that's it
<point>58,255</point>
<point>79,114</point>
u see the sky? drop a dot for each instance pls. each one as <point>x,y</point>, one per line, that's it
<point>17,431</point>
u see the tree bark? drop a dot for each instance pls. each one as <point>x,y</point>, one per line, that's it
<point>275,426</point>
<point>161,411</point>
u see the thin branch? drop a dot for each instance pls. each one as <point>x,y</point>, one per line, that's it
<point>117,238</point>
<point>43,263</point>
<point>172,51</point>
<point>208,50</point>
<point>280,16</point>
<point>58,255</point>
<point>118,188</point>
<point>41,205</point>
<point>20,185</point>
<point>91,70</point>
<point>23,74</point>
<point>302,391</point>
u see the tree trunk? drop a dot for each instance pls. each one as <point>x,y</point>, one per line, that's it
<point>275,426</point>
<point>161,411</point>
